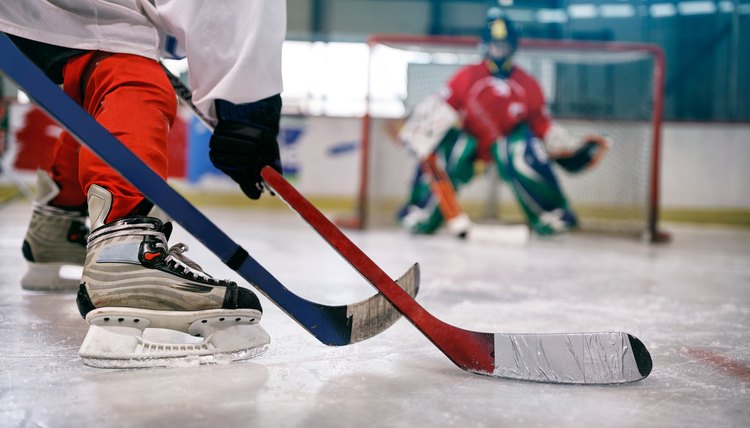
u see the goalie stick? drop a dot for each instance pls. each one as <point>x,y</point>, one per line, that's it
<point>457,221</point>
<point>331,325</point>
<point>455,218</point>
<point>576,358</point>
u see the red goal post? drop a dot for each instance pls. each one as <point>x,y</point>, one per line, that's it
<point>614,89</point>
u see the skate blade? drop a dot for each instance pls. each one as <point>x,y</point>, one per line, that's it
<point>55,277</point>
<point>142,338</point>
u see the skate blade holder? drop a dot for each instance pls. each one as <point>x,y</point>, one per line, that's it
<point>195,323</point>
<point>177,339</point>
<point>63,277</point>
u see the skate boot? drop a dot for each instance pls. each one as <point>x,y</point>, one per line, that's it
<point>55,238</point>
<point>148,305</point>
<point>555,222</point>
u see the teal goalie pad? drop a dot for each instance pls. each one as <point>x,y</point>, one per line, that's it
<point>523,163</point>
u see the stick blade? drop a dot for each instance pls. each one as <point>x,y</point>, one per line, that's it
<point>571,358</point>
<point>372,316</point>
<point>499,234</point>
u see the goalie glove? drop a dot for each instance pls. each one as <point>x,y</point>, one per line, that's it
<point>427,125</point>
<point>244,141</point>
<point>571,154</point>
<point>585,157</point>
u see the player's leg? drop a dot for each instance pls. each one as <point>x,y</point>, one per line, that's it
<point>456,153</point>
<point>57,232</point>
<point>523,163</point>
<point>132,280</point>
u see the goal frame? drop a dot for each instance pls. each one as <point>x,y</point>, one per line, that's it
<point>659,65</point>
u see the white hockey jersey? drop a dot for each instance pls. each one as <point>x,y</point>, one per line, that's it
<point>110,25</point>
<point>233,46</point>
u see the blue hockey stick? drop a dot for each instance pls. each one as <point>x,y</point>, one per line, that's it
<point>331,325</point>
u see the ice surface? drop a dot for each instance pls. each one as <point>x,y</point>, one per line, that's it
<point>688,301</point>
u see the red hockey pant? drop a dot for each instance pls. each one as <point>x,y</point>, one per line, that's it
<point>132,98</point>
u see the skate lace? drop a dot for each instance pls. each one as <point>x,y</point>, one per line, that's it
<point>178,261</point>
<point>178,251</point>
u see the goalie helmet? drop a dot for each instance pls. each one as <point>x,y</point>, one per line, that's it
<point>499,40</point>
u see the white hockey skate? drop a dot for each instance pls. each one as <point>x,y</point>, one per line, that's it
<point>148,305</point>
<point>56,238</point>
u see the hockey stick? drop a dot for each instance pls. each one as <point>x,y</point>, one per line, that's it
<point>578,358</point>
<point>457,221</point>
<point>331,325</point>
<point>374,304</point>
<point>440,184</point>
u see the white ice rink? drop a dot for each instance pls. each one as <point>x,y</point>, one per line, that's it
<point>688,301</point>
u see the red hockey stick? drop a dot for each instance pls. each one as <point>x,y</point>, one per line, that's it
<point>581,358</point>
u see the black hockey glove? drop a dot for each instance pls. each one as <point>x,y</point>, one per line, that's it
<point>244,141</point>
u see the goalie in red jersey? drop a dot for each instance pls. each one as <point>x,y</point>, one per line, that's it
<point>492,111</point>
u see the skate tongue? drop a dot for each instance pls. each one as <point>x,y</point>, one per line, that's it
<point>47,189</point>
<point>166,229</point>
<point>162,216</point>
<point>157,212</point>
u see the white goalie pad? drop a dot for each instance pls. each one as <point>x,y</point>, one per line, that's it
<point>427,125</point>
<point>138,338</point>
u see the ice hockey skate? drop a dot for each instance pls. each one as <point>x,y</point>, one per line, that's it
<point>149,305</point>
<point>56,238</point>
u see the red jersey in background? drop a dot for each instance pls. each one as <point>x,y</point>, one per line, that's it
<point>491,107</point>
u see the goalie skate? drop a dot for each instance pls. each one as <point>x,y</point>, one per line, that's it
<point>148,305</point>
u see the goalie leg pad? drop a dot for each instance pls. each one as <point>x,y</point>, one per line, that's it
<point>525,166</point>
<point>457,153</point>
<point>137,338</point>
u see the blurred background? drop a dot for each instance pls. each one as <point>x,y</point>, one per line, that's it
<point>693,119</point>
<point>707,74</point>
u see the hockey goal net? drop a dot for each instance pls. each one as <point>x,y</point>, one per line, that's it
<point>604,88</point>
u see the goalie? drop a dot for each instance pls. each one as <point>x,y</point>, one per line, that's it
<point>492,111</point>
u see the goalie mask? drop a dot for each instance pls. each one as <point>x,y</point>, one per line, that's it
<point>499,41</point>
